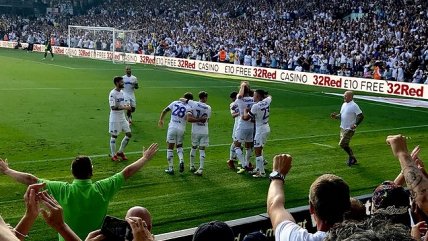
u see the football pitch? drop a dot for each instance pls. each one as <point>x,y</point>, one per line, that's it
<point>55,110</point>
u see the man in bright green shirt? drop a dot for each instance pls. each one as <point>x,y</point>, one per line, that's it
<point>84,202</point>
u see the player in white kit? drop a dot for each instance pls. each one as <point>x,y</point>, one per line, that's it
<point>260,114</point>
<point>234,112</point>
<point>199,115</point>
<point>131,84</point>
<point>245,129</point>
<point>117,120</point>
<point>176,129</point>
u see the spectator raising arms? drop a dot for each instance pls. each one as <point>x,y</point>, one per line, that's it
<point>84,202</point>
<point>328,201</point>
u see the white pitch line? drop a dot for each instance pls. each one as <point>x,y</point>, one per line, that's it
<point>41,62</point>
<point>227,144</point>
<point>74,68</point>
<point>57,65</point>
<point>324,145</point>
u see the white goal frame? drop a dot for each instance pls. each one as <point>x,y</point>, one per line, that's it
<point>119,33</point>
<point>117,56</point>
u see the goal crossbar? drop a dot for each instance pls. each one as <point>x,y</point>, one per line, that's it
<point>118,40</point>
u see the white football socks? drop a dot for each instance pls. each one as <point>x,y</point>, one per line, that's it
<point>170,158</point>
<point>112,146</point>
<point>123,144</point>
<point>192,156</point>
<point>201,159</point>
<point>180,154</point>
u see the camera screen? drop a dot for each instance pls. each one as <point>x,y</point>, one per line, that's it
<point>116,229</point>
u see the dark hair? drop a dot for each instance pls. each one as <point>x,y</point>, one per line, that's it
<point>390,194</point>
<point>262,93</point>
<point>188,95</point>
<point>341,231</point>
<point>213,231</point>
<point>374,229</point>
<point>81,167</point>
<point>251,93</point>
<point>329,196</point>
<point>255,236</point>
<point>203,94</point>
<point>117,79</point>
<point>233,95</point>
<point>392,201</point>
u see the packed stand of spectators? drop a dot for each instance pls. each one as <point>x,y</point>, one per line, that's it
<point>388,40</point>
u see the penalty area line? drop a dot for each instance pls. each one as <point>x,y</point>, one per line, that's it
<point>324,145</point>
<point>227,144</point>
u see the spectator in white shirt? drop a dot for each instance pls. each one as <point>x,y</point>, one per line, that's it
<point>328,201</point>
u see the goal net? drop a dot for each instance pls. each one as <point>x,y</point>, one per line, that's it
<point>126,42</point>
<point>102,43</point>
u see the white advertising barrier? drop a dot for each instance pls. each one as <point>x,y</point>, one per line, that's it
<point>314,79</point>
<point>332,81</point>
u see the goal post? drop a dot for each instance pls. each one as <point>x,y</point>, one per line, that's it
<point>125,42</point>
<point>87,40</point>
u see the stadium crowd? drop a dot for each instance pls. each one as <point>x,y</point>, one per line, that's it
<point>379,39</point>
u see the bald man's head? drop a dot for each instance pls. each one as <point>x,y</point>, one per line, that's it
<point>348,96</point>
<point>141,212</point>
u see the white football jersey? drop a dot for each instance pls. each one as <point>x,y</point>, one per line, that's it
<point>116,99</point>
<point>178,115</point>
<point>244,103</point>
<point>129,84</point>
<point>198,110</point>
<point>260,112</point>
<point>233,110</point>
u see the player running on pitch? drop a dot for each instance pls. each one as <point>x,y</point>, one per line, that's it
<point>117,120</point>
<point>48,47</point>
<point>131,84</point>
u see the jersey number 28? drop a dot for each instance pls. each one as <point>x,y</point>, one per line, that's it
<point>179,111</point>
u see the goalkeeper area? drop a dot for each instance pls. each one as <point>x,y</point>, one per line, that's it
<point>103,39</point>
<point>56,110</point>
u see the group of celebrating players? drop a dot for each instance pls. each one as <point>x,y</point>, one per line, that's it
<point>249,108</point>
<point>251,128</point>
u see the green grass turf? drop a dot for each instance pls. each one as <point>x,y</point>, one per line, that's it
<point>55,110</point>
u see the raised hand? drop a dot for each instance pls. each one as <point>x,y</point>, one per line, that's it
<point>149,153</point>
<point>31,199</point>
<point>282,163</point>
<point>53,215</point>
<point>398,144</point>
<point>139,229</point>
